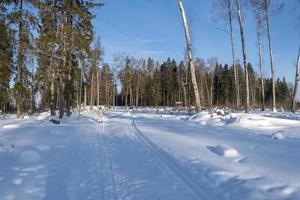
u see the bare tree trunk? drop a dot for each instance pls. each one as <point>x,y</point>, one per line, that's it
<point>92,91</point>
<point>80,89</point>
<point>85,97</point>
<point>61,96</point>
<point>244,55</point>
<point>57,96</point>
<point>211,89</point>
<point>32,91</point>
<point>297,78</point>
<point>52,104</point>
<point>260,63</point>
<point>114,95</point>
<point>184,92</point>
<point>235,71</point>
<point>207,90</point>
<point>201,87</point>
<point>271,55</point>
<point>126,98</point>
<point>61,73</point>
<point>68,93</point>
<point>251,89</point>
<point>137,98</point>
<point>106,88</point>
<point>20,61</point>
<point>137,87</point>
<point>130,96</point>
<point>190,55</point>
<point>98,89</point>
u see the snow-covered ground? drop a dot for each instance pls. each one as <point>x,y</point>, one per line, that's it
<point>151,154</point>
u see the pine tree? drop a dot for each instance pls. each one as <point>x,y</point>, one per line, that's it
<point>65,36</point>
<point>6,60</point>
<point>25,21</point>
<point>47,54</point>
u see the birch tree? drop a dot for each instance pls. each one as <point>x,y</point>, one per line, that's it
<point>225,10</point>
<point>190,55</point>
<point>258,11</point>
<point>297,78</point>
<point>267,6</point>
<point>244,53</point>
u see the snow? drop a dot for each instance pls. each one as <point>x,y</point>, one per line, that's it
<point>278,135</point>
<point>224,150</point>
<point>150,153</point>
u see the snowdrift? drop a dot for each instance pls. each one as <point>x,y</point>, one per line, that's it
<point>276,128</point>
<point>224,150</point>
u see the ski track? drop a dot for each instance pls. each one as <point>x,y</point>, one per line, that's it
<point>100,158</point>
<point>103,143</point>
<point>169,162</point>
<point>116,160</point>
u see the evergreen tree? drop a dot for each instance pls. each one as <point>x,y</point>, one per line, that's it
<point>65,36</point>
<point>6,60</point>
<point>24,21</point>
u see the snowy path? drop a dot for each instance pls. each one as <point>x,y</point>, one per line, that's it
<point>80,159</point>
<point>264,168</point>
<point>171,164</point>
<point>141,157</point>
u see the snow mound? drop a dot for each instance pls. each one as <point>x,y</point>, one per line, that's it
<point>279,135</point>
<point>10,126</point>
<point>206,118</point>
<point>202,116</point>
<point>224,150</point>
<point>216,120</point>
<point>250,121</point>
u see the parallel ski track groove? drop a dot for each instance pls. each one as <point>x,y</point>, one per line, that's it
<point>170,163</point>
<point>108,158</point>
<point>101,159</point>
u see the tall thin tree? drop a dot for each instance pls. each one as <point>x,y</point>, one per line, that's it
<point>258,9</point>
<point>190,55</point>
<point>267,13</point>
<point>297,78</point>
<point>225,10</point>
<point>238,3</point>
<point>24,21</point>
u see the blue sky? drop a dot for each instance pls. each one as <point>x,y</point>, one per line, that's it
<point>153,28</point>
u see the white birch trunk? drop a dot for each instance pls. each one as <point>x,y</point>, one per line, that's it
<point>297,78</point>
<point>271,56</point>
<point>190,55</point>
<point>244,55</point>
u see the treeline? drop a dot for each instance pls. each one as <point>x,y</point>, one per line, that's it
<point>148,83</point>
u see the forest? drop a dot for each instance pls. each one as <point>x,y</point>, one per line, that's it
<point>50,59</point>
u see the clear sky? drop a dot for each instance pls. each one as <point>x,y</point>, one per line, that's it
<point>153,28</point>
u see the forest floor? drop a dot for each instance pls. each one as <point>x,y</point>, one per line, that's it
<point>149,154</point>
